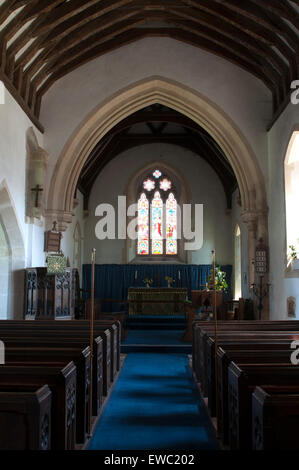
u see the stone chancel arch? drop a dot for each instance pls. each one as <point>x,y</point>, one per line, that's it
<point>185,101</point>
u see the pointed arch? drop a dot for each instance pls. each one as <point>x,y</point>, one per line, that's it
<point>237,263</point>
<point>15,241</point>
<point>182,99</point>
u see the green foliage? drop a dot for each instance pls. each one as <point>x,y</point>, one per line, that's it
<point>220,280</point>
<point>293,252</point>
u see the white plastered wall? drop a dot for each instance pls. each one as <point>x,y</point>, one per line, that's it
<point>204,187</point>
<point>237,220</point>
<point>14,124</point>
<point>284,284</point>
<point>243,97</point>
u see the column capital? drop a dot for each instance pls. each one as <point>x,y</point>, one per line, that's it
<point>250,218</point>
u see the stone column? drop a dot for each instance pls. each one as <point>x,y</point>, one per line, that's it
<point>257,228</point>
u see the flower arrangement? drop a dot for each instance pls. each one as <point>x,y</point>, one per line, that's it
<point>148,281</point>
<point>169,280</point>
<point>293,253</point>
<point>220,280</point>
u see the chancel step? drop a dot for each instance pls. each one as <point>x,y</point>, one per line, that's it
<point>156,322</point>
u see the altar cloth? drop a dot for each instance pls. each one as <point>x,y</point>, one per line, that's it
<point>157,301</point>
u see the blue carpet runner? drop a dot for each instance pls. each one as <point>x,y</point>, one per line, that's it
<point>154,405</point>
<point>168,341</point>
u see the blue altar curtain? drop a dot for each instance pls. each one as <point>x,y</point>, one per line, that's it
<point>113,280</point>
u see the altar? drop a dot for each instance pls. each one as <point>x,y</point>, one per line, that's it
<point>157,301</point>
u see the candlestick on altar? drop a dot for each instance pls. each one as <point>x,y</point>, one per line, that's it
<point>179,279</point>
<point>91,320</point>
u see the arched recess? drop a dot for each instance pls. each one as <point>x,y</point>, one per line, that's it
<point>189,103</point>
<point>237,263</point>
<point>291,174</point>
<point>17,253</point>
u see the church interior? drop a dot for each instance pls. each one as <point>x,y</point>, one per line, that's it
<point>149,229</point>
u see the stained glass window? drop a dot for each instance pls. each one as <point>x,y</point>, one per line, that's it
<point>143,226</point>
<point>157,211</point>
<point>171,225</point>
<point>157,174</point>
<point>157,219</point>
<point>165,184</point>
<point>149,184</point>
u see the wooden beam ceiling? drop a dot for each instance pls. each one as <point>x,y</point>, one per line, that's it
<point>156,120</point>
<point>43,40</point>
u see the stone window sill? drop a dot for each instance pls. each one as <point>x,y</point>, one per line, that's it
<point>292,269</point>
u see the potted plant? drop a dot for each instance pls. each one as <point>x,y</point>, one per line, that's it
<point>147,281</point>
<point>169,280</point>
<point>220,280</point>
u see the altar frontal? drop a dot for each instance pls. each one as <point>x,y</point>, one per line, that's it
<point>157,301</point>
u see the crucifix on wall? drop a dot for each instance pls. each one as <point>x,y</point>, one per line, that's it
<point>37,189</point>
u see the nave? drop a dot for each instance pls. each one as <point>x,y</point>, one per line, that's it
<point>149,162</point>
<point>155,404</point>
<point>148,391</point>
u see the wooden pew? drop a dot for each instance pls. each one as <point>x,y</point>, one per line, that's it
<point>101,325</point>
<point>25,419</point>
<point>37,337</point>
<point>203,333</point>
<point>263,335</point>
<point>100,372</point>
<point>266,340</point>
<point>52,334</point>
<point>62,383</point>
<point>81,327</point>
<point>81,358</point>
<point>113,325</point>
<point>203,329</point>
<point>252,341</point>
<point>276,354</point>
<point>275,418</point>
<point>242,380</point>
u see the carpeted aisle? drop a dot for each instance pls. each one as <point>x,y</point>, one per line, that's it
<point>154,405</point>
<point>166,337</point>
